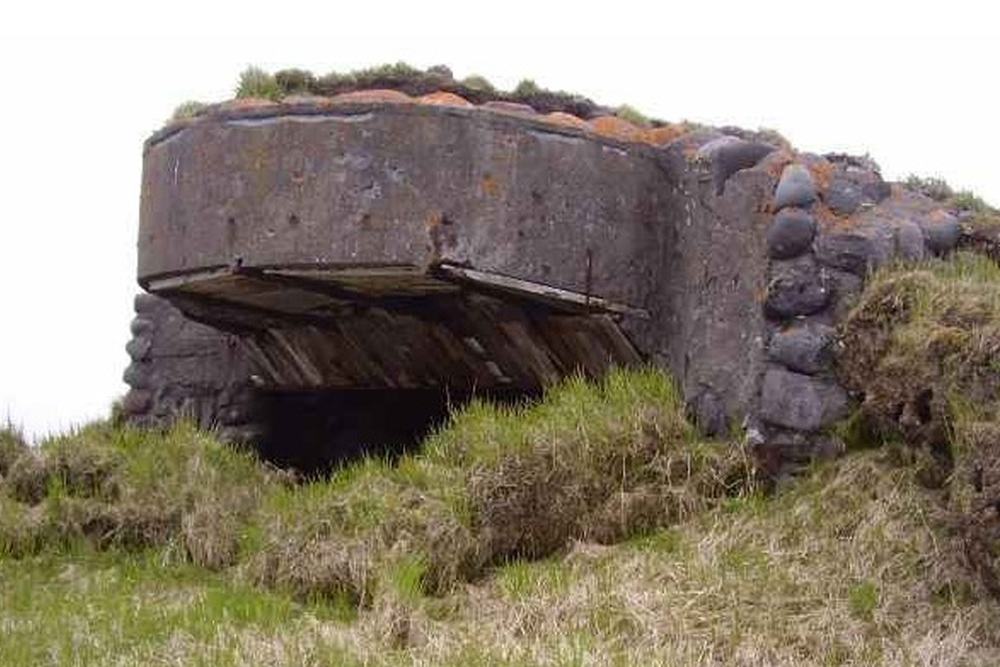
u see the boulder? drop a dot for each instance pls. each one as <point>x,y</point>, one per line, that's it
<point>138,348</point>
<point>910,241</point>
<point>804,349</point>
<point>797,287</point>
<point>729,155</point>
<point>941,231</point>
<point>796,188</point>
<point>856,249</point>
<point>707,410</point>
<point>801,402</point>
<point>790,234</point>
<point>843,196</point>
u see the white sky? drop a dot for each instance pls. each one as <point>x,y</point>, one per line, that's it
<point>913,84</point>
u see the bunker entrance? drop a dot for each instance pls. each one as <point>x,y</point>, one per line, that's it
<point>314,431</point>
<point>369,360</point>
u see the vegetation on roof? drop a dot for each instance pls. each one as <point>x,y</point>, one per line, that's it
<point>939,190</point>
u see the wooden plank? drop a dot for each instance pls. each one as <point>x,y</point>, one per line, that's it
<point>552,296</point>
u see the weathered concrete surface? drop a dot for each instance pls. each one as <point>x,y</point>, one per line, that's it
<point>708,325</point>
<point>403,185</point>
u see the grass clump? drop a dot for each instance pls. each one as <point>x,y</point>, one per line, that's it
<point>596,461</point>
<point>632,115</point>
<point>12,447</point>
<point>939,190</point>
<point>189,109</point>
<point>122,488</point>
<point>592,461</point>
<point>921,348</point>
<point>255,82</point>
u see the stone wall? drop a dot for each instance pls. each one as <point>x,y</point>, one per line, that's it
<point>181,368</point>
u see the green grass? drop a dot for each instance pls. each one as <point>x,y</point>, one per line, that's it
<point>592,527</point>
<point>255,82</point>
<point>939,190</point>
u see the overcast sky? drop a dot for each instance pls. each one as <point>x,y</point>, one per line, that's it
<point>914,85</point>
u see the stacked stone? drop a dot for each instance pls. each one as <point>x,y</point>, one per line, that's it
<point>835,220</point>
<point>184,369</point>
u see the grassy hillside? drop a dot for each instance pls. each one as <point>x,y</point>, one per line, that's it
<point>594,527</point>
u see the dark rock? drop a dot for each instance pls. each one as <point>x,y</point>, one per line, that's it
<point>696,139</point>
<point>941,231</point>
<point>784,452</point>
<point>143,325</point>
<point>844,284</point>
<point>796,188</point>
<point>146,303</point>
<point>707,410</point>
<point>910,241</point>
<point>805,349</point>
<point>843,196</point>
<point>138,348</point>
<point>859,162</point>
<point>790,234</point>
<point>797,287</point>
<point>801,402</point>
<point>137,402</point>
<point>856,249</point>
<point>137,376</point>
<point>729,155</point>
<point>875,190</point>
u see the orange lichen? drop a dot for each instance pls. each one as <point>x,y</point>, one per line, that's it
<point>776,162</point>
<point>373,95</point>
<point>489,185</point>
<point>822,172</point>
<point>565,119</point>
<point>615,128</point>
<point>445,99</point>
<point>658,136</point>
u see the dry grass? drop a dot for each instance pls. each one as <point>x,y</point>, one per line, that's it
<point>591,528</point>
<point>923,348</point>
<point>591,461</point>
<point>849,566</point>
<point>122,488</point>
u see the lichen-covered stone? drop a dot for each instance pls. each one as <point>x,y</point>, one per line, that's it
<point>797,287</point>
<point>804,349</point>
<point>801,402</point>
<point>791,233</point>
<point>843,196</point>
<point>796,188</point>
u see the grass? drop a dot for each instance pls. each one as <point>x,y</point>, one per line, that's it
<point>939,190</point>
<point>592,527</point>
<point>921,346</point>
<point>256,82</point>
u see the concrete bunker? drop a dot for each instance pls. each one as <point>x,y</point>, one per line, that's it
<point>347,257</point>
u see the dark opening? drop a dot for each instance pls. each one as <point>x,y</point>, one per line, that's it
<point>315,431</point>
